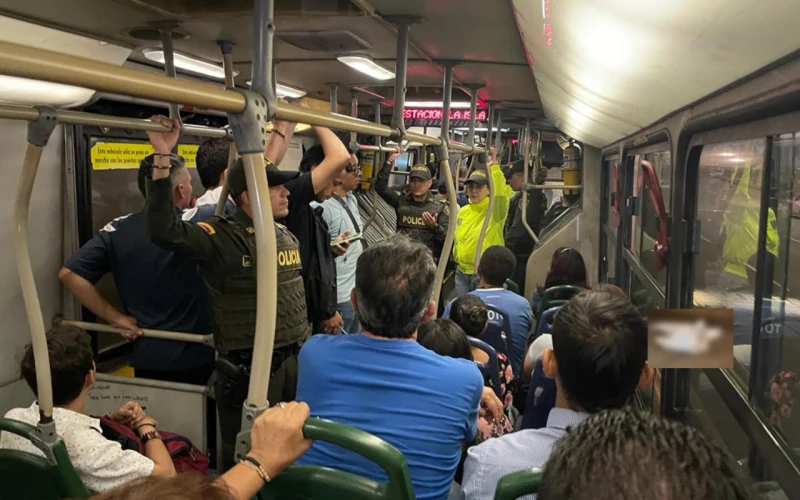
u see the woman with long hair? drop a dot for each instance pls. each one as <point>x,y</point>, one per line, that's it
<point>566,268</point>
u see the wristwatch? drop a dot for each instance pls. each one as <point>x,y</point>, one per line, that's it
<point>147,436</point>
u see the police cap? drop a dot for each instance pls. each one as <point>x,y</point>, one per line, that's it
<point>237,182</point>
<point>478,176</point>
<point>420,172</point>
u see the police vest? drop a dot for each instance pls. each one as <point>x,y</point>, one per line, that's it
<point>234,304</point>
<point>411,223</point>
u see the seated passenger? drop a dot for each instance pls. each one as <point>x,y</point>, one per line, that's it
<point>470,313</point>
<point>496,266</point>
<point>276,441</point>
<point>159,289</point>
<point>566,268</point>
<point>383,382</point>
<point>102,464</point>
<point>446,338</point>
<point>630,455</point>
<point>559,208</point>
<point>212,167</point>
<point>598,360</point>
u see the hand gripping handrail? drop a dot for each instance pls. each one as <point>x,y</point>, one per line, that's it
<point>194,338</point>
<point>39,131</point>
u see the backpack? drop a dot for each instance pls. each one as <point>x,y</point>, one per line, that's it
<point>185,456</point>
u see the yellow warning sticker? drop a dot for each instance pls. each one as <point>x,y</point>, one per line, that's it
<point>128,155</point>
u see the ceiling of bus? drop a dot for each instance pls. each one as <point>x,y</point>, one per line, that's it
<point>480,35</point>
<point>607,68</point>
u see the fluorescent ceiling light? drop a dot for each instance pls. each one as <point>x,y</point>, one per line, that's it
<point>282,90</point>
<point>367,66</point>
<point>482,129</point>
<point>434,104</point>
<point>25,91</point>
<point>190,64</point>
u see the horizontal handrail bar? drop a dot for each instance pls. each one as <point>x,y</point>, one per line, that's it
<point>552,186</point>
<point>18,112</point>
<point>369,147</point>
<point>39,64</point>
<point>154,334</point>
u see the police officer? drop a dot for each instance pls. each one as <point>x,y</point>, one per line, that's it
<point>420,214</point>
<point>518,240</point>
<point>225,249</point>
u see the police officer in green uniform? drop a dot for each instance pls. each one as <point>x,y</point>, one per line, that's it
<point>420,214</point>
<point>225,249</point>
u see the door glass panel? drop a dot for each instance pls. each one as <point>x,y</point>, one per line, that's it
<point>728,205</point>
<point>636,220</point>
<point>649,219</point>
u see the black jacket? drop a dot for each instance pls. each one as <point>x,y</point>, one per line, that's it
<point>517,238</point>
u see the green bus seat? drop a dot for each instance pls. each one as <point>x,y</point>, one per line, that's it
<point>518,484</point>
<point>25,476</point>
<point>511,286</point>
<point>314,482</point>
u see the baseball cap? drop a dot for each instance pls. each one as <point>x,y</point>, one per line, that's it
<point>517,167</point>
<point>420,172</point>
<point>237,182</point>
<point>478,177</point>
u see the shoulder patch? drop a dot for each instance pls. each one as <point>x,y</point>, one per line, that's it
<point>205,226</point>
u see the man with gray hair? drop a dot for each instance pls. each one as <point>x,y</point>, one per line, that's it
<point>383,382</point>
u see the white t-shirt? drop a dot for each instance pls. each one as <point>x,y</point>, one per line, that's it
<point>101,464</point>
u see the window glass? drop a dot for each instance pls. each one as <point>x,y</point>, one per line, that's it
<point>728,206</point>
<point>611,218</point>
<point>634,242</point>
<point>402,164</point>
<point>709,413</point>
<point>662,166</point>
<point>641,296</point>
<point>777,381</point>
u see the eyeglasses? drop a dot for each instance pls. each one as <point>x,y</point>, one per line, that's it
<point>351,169</point>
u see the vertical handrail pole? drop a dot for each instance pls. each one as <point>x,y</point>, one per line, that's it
<point>498,138</point>
<point>473,110</point>
<point>490,209</point>
<point>400,73</point>
<point>169,66</point>
<point>227,64</point>
<point>248,131</point>
<point>39,132</point>
<point>526,157</point>
<point>354,114</point>
<point>489,126</point>
<point>334,97</point>
<point>377,166</point>
<point>444,167</point>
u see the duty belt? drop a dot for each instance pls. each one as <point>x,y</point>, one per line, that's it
<point>236,364</point>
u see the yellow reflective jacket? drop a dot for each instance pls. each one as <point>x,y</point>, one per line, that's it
<point>470,220</point>
<point>741,227</point>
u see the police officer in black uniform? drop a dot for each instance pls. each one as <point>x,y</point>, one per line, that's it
<point>225,249</point>
<point>517,238</point>
<point>420,214</point>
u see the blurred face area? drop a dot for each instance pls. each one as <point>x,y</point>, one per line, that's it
<point>182,190</point>
<point>477,192</point>
<point>351,176</point>
<point>419,187</point>
<point>516,181</point>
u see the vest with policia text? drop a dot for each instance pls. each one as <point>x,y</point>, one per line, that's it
<point>411,223</point>
<point>234,305</point>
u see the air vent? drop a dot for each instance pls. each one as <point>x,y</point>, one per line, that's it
<point>323,41</point>
<point>152,33</point>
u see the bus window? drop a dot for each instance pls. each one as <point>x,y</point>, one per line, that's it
<point>662,166</point>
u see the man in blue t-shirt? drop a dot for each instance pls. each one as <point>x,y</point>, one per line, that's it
<point>496,266</point>
<point>383,382</point>
<point>158,289</point>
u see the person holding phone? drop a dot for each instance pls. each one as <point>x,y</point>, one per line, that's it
<point>420,214</point>
<point>341,215</point>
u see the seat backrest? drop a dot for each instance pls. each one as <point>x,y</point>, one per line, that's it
<point>541,399</point>
<point>557,296</point>
<point>314,482</point>
<point>25,475</point>
<point>498,329</point>
<point>544,323</point>
<point>491,369</point>
<point>518,484</point>
<point>512,286</point>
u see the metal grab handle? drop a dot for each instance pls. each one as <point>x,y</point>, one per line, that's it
<point>488,217</point>
<point>194,338</point>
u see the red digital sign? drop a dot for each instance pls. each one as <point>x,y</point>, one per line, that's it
<point>436,114</point>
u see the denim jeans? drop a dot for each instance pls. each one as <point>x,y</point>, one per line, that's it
<point>349,317</point>
<point>465,283</point>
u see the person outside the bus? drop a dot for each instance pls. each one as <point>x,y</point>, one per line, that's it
<point>471,218</point>
<point>158,288</point>
<point>518,240</point>
<point>420,214</point>
<point>225,249</point>
<point>101,463</point>
<point>383,382</point>
<point>341,215</point>
<point>598,360</point>
<point>212,166</point>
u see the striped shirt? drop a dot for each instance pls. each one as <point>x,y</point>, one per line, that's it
<point>488,462</point>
